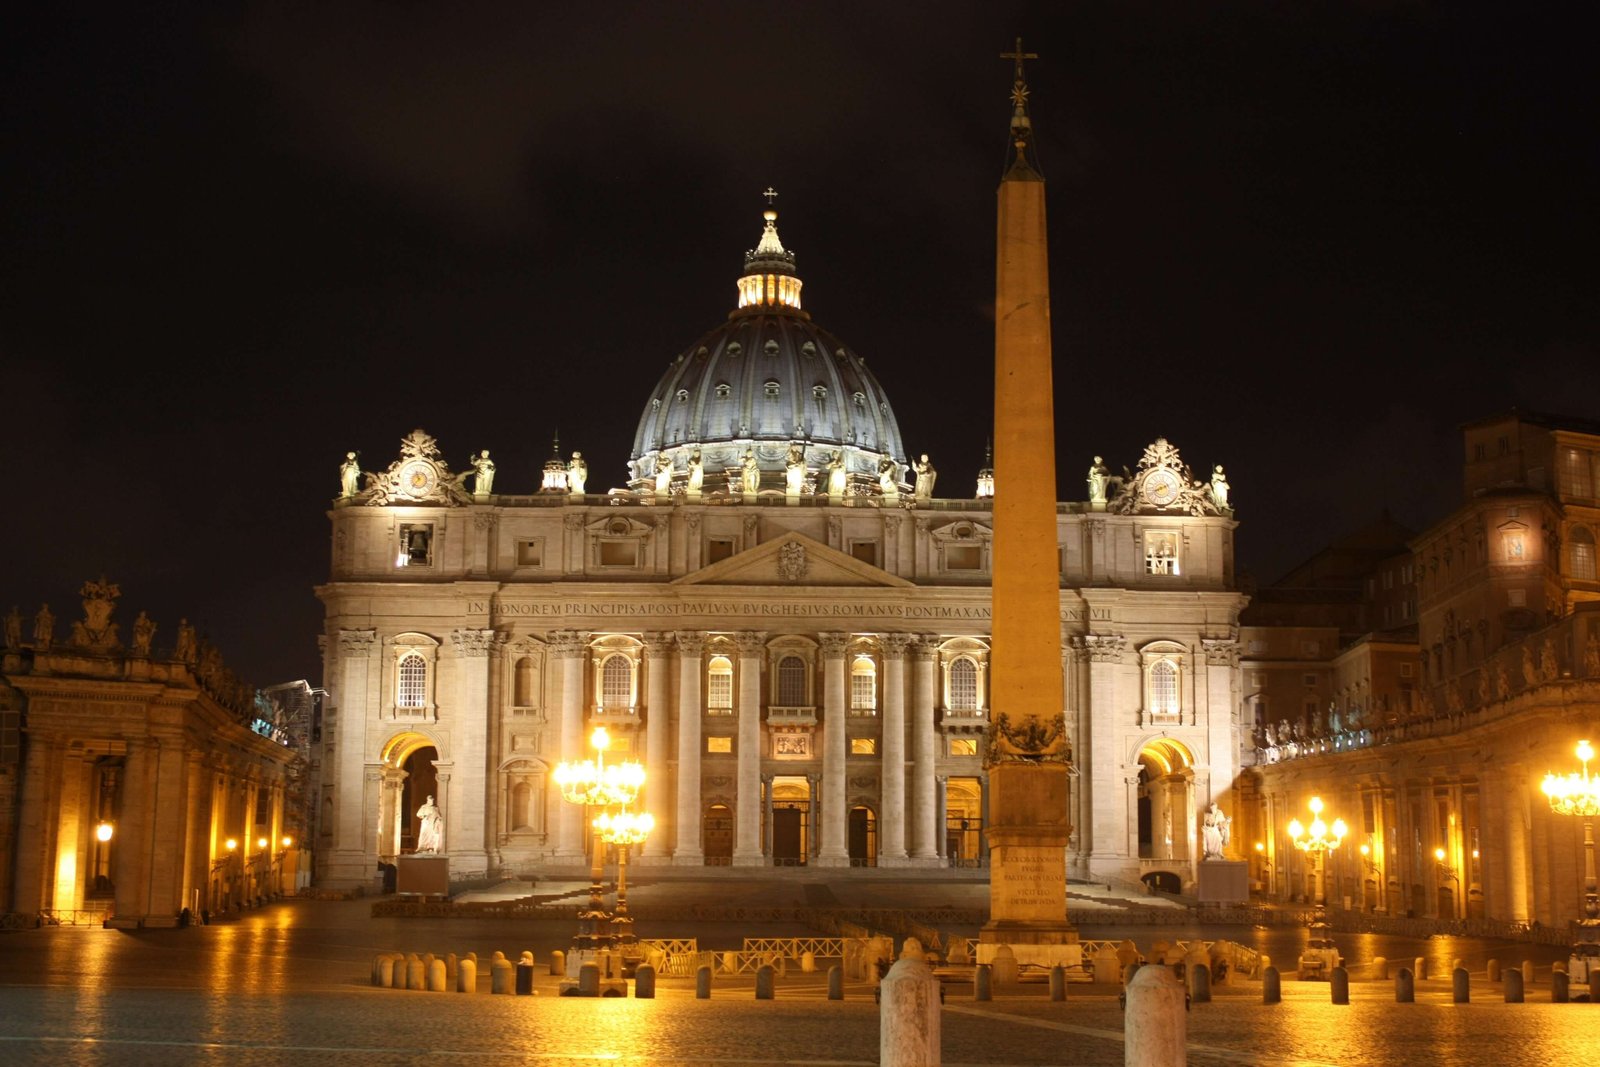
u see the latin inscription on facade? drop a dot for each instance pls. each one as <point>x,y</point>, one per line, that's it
<point>745,609</point>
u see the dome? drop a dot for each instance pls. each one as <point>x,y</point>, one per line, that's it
<point>766,380</point>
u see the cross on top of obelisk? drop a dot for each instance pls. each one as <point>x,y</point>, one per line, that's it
<point>771,194</point>
<point>1019,85</point>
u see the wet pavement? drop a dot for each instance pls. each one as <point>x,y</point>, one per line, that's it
<point>290,983</point>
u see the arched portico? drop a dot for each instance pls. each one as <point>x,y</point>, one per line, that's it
<point>1166,843</point>
<point>408,775</point>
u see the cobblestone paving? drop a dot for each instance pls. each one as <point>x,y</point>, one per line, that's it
<point>290,984</point>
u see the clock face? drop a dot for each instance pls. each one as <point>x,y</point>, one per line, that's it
<point>1161,487</point>
<point>417,479</point>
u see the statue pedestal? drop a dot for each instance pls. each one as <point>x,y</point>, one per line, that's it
<point>1223,882</point>
<point>1027,866</point>
<point>425,875</point>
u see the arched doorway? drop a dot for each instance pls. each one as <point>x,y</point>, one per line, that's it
<point>408,778</point>
<point>963,823</point>
<point>717,839</point>
<point>791,821</point>
<point>421,782</point>
<point>1166,813</point>
<point>863,837</point>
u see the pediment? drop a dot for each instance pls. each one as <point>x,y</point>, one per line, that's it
<point>794,560</point>
<point>619,526</point>
<point>962,530</point>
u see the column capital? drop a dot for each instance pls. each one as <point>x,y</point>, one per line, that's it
<point>691,643</point>
<point>833,644</point>
<point>566,642</point>
<point>472,643</point>
<point>750,642</point>
<point>657,643</point>
<point>895,645</point>
<point>357,642</point>
<point>926,647</point>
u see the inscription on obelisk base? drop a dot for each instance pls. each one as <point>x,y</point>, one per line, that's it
<point>1027,866</point>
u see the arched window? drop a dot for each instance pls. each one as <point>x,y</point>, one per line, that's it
<point>1582,550</point>
<point>1163,688</point>
<point>719,685</point>
<point>616,682</point>
<point>963,685</point>
<point>413,688</point>
<point>523,696</point>
<point>863,684</point>
<point>522,806</point>
<point>791,682</point>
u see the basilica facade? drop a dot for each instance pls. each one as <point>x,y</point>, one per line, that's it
<point>778,617</point>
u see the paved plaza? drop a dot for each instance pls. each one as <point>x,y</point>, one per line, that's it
<point>290,983</point>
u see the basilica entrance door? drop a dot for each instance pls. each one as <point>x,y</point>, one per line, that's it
<point>863,838</point>
<point>718,839</point>
<point>786,837</point>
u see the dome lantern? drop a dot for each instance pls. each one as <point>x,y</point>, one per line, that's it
<point>769,279</point>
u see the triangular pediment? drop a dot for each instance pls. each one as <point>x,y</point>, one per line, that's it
<point>794,560</point>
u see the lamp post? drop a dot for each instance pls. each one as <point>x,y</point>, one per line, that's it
<point>592,783</point>
<point>623,829</point>
<point>1318,840</point>
<point>1579,794</point>
<point>1447,873</point>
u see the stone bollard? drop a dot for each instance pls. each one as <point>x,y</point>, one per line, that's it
<point>1559,985</point>
<point>1513,987</point>
<point>1594,985</point>
<point>1405,987</point>
<point>1155,1023</point>
<point>1419,969</point>
<point>437,982</point>
<point>467,976</point>
<point>524,985</point>
<point>1264,962</point>
<point>908,1014</point>
<point>558,963</point>
<point>1527,973</point>
<point>589,979</point>
<point>1380,969</point>
<point>383,970</point>
<point>730,962</point>
<point>644,982</point>
<point>1128,971</point>
<point>1106,967</point>
<point>1004,967</point>
<point>1271,987</point>
<point>808,962</point>
<point>764,982</point>
<point>1494,970</point>
<point>500,977</point>
<point>1199,976</point>
<point>702,982</point>
<point>983,983</point>
<point>1339,985</point>
<point>1058,982</point>
<point>1457,964</point>
<point>416,976</point>
<point>1460,985</point>
<point>835,982</point>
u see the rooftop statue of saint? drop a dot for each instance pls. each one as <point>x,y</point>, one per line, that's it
<point>577,473</point>
<point>1098,473</point>
<point>925,476</point>
<point>483,471</point>
<point>749,474</point>
<point>349,476</point>
<point>1219,487</point>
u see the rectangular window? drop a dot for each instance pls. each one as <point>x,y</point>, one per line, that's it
<point>719,746</point>
<point>1161,553</point>
<point>1309,679</point>
<point>963,558</point>
<point>719,691</point>
<point>863,746</point>
<point>963,746</point>
<point>1405,670</point>
<point>865,551</point>
<point>1576,477</point>
<point>530,553</point>
<point>1310,648</point>
<point>1478,452</point>
<point>718,549</point>
<point>619,553</point>
<point>1516,598</point>
<point>863,695</point>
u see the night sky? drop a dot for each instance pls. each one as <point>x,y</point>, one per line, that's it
<point>1306,241</point>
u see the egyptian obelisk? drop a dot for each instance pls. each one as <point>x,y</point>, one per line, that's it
<point>1027,755</point>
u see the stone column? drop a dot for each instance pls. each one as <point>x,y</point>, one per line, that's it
<point>568,648</point>
<point>941,819</point>
<point>353,862</point>
<point>814,793</point>
<point>197,820</point>
<point>924,738</point>
<point>747,817</point>
<point>1514,805</point>
<point>892,825</point>
<point>1221,674</point>
<point>391,820</point>
<point>35,841</point>
<point>466,828</point>
<point>835,850</point>
<point>168,821</point>
<point>657,798</point>
<point>688,850</point>
<point>767,810</point>
<point>1110,822</point>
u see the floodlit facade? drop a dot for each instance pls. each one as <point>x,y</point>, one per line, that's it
<point>778,616</point>
<point>1431,738</point>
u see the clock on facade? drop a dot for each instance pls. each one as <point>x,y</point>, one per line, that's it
<point>417,479</point>
<point>1161,487</point>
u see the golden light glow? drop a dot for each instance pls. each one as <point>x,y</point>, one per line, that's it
<point>624,827</point>
<point>288,842</point>
<point>261,842</point>
<point>1366,850</point>
<point>1319,836</point>
<point>103,832</point>
<point>230,844</point>
<point>596,782</point>
<point>1438,854</point>
<point>1574,794</point>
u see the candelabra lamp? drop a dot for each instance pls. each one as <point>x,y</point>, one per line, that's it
<point>1579,794</point>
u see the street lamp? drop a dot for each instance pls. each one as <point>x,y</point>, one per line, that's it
<point>624,829</point>
<point>1580,795</point>
<point>1318,839</point>
<point>1447,873</point>
<point>592,783</point>
<point>1266,866</point>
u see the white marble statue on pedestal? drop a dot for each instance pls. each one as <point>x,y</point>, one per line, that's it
<point>1215,830</point>
<point>430,832</point>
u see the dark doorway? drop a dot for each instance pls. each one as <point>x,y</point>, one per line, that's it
<point>719,836</point>
<point>787,837</point>
<point>863,838</point>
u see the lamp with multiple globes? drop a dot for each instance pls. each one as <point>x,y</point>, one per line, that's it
<point>1579,794</point>
<point>623,830</point>
<point>612,788</point>
<point>1318,840</point>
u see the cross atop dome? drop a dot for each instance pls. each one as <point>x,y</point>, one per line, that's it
<point>769,279</point>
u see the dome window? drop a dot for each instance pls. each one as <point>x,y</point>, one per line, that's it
<point>860,399</point>
<point>723,389</point>
<point>842,356</point>
<point>771,387</point>
<point>808,349</point>
<point>683,395</point>
<point>771,347</point>
<point>655,403</point>
<point>701,353</point>
<point>820,392</point>
<point>734,349</point>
